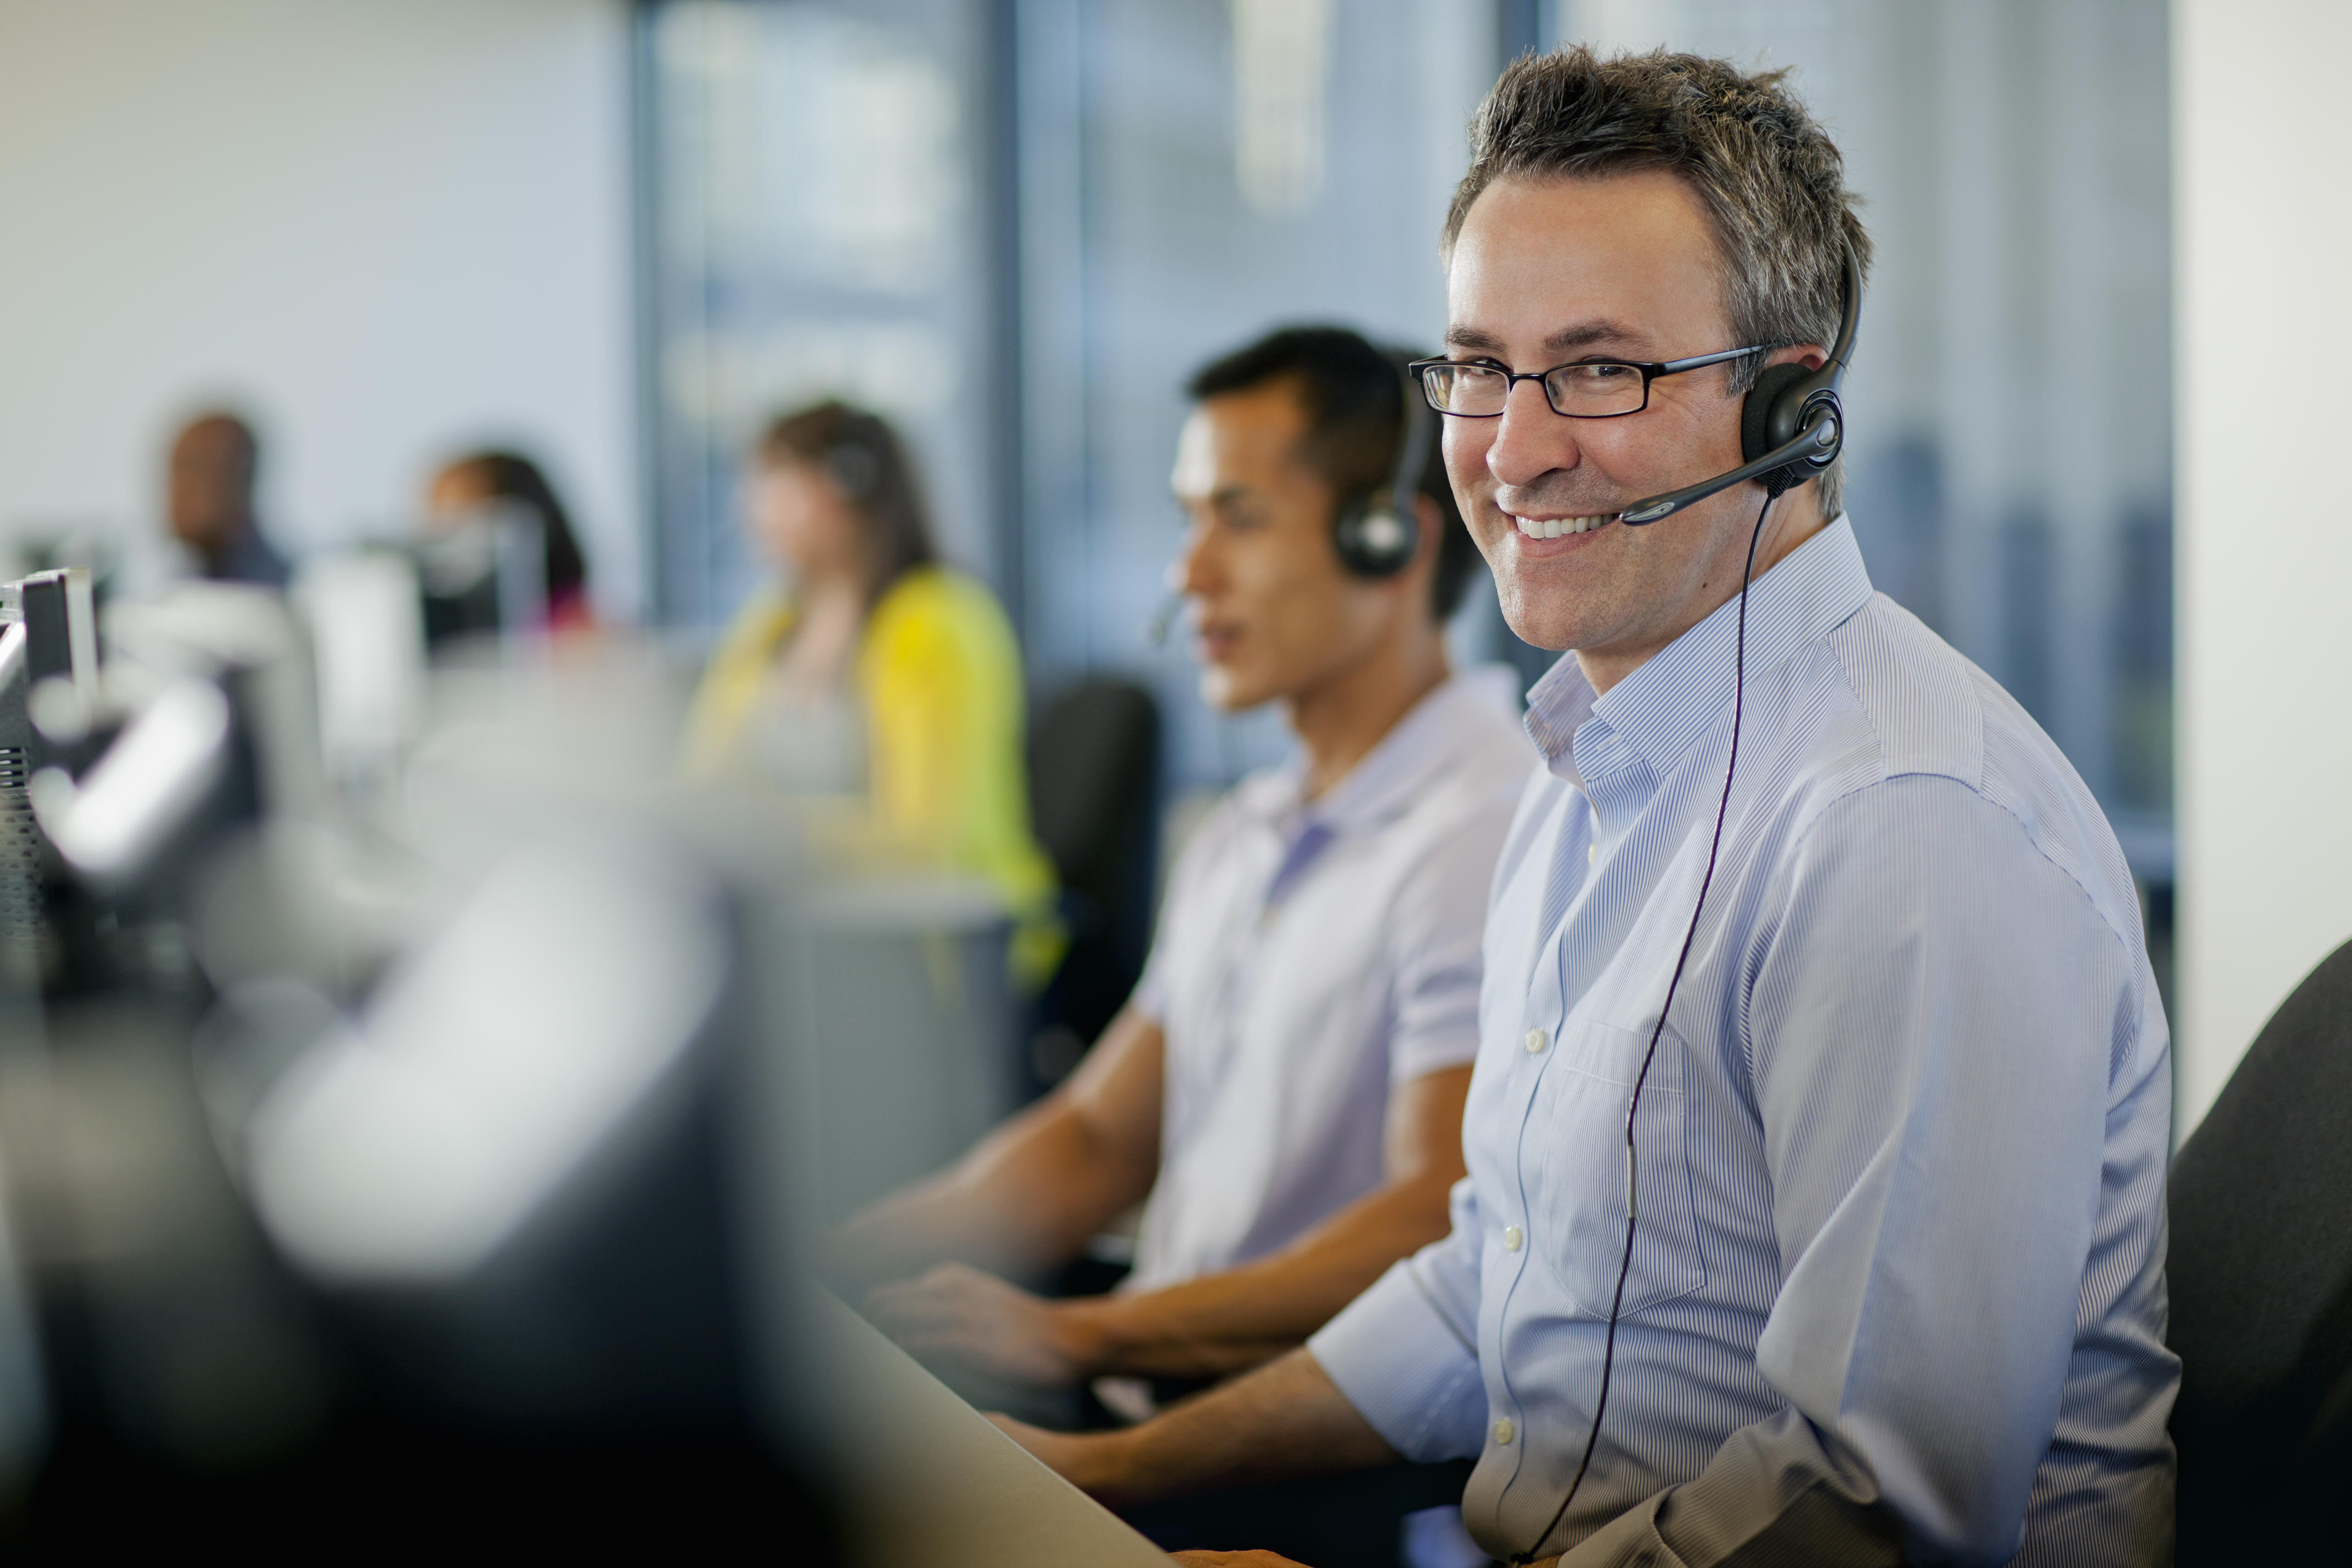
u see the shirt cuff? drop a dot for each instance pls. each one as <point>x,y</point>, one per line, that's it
<point>1396,1359</point>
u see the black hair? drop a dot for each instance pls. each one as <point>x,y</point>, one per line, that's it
<point>1353,394</point>
<point>512,476</point>
<point>868,464</point>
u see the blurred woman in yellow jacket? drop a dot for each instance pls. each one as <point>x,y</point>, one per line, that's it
<point>877,676</point>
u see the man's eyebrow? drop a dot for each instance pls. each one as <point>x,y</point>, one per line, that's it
<point>1471,338</point>
<point>1587,334</point>
<point>1223,495</point>
<point>1565,340</point>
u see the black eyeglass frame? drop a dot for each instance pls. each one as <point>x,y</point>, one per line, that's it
<point>1651,370</point>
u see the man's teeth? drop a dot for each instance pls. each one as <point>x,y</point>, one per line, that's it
<point>1553,527</point>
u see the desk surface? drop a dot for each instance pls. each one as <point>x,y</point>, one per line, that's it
<point>939,1485</point>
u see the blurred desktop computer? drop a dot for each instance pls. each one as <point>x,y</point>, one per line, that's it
<point>482,575</point>
<point>360,1199</point>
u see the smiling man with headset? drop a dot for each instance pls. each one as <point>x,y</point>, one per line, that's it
<point>1285,1087</point>
<point>1817,1140</point>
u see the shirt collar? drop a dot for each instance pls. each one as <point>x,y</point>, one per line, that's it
<point>1661,709</point>
<point>1429,739</point>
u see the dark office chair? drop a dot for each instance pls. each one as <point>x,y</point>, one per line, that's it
<point>2261,1272</point>
<point>1094,801</point>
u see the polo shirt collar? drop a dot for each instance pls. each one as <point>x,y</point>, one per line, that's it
<point>1418,748</point>
<point>1657,713</point>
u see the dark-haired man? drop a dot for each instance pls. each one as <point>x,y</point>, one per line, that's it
<point>214,463</point>
<point>1286,1084</point>
<point>1893,1289</point>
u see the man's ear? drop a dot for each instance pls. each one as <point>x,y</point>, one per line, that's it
<point>1423,570</point>
<point>1813,356</point>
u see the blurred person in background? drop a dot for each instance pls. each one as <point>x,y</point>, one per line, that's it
<point>871,673</point>
<point>209,501</point>
<point>469,485</point>
<point>1286,1084</point>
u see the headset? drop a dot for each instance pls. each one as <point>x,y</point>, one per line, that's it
<point>1791,423</point>
<point>851,464</point>
<point>1377,533</point>
<point>1791,426</point>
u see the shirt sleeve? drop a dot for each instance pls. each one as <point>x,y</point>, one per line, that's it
<point>1434,936</point>
<point>1936,1015</point>
<point>1405,1352</point>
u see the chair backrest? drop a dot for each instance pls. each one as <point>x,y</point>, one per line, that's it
<point>2260,1277</point>
<point>1094,804</point>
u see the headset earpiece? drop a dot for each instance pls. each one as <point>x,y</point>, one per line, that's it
<point>853,470</point>
<point>1376,534</point>
<point>1768,409</point>
<point>1786,397</point>
<point>1372,540</point>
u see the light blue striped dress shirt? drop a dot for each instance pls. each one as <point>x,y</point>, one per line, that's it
<point>1898,1277</point>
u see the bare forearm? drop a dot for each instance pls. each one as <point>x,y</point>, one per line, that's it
<point>1025,1198</point>
<point>1240,1318</point>
<point>1284,1421</point>
<point>1029,1194</point>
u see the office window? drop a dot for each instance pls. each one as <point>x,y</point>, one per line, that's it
<point>1191,176</point>
<point>1091,197</point>
<point>814,205</point>
<point>2010,455</point>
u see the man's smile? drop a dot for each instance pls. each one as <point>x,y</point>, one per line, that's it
<point>1557,526</point>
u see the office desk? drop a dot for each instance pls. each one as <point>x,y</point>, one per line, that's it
<point>939,1485</point>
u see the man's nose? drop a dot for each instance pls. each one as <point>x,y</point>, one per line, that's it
<point>1529,439</point>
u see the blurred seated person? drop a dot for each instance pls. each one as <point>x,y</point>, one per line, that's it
<point>209,501</point>
<point>473,484</point>
<point>1286,1084</point>
<point>870,673</point>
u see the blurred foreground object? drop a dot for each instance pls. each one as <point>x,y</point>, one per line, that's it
<point>964,1492</point>
<point>428,1158</point>
<point>413,1102</point>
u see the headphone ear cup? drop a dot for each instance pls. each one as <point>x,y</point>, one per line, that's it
<point>1764,423</point>
<point>1371,539</point>
<point>854,471</point>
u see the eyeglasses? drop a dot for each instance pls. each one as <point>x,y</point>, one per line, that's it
<point>1589,389</point>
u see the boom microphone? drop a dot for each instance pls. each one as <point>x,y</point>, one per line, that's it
<point>1818,440</point>
<point>1155,630</point>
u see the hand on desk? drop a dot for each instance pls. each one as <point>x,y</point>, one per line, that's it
<point>959,1313</point>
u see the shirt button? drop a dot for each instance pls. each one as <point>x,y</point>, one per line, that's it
<point>1535,1041</point>
<point>1587,854</point>
<point>1511,1238</point>
<point>1503,1430</point>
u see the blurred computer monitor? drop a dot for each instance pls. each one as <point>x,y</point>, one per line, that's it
<point>482,575</point>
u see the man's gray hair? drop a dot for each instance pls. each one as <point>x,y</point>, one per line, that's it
<point>1772,181</point>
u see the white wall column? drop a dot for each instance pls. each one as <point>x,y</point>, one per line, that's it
<point>383,227</point>
<point>2263,666</point>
